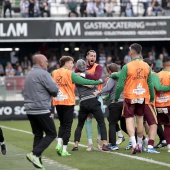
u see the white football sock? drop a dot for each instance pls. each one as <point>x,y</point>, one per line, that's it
<point>90,141</point>
<point>60,140</point>
<point>64,148</point>
<point>139,141</point>
<point>150,146</point>
<point>133,140</point>
<point>119,133</point>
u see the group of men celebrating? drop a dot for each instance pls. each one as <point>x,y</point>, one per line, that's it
<point>133,93</point>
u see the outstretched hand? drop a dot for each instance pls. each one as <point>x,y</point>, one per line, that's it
<point>96,92</point>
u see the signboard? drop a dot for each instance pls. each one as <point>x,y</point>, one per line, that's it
<point>85,29</point>
<point>14,110</point>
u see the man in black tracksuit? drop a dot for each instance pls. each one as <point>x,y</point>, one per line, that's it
<point>115,108</point>
<point>89,104</point>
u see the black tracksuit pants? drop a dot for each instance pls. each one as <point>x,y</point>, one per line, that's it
<point>40,124</point>
<point>115,112</point>
<point>90,106</point>
<point>65,116</point>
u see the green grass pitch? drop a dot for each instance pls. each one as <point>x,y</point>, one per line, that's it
<point>20,143</point>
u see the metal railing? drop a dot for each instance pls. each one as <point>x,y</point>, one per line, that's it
<point>11,88</point>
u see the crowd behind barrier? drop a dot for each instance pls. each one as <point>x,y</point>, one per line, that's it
<point>83,8</point>
<point>15,64</point>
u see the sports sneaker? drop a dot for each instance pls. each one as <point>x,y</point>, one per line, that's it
<point>105,147</point>
<point>145,145</point>
<point>99,144</point>
<point>135,150</point>
<point>65,154</point>
<point>168,150</point>
<point>129,146</point>
<point>113,148</point>
<point>35,160</point>
<point>160,145</point>
<point>75,149</point>
<point>144,149</point>
<point>3,149</point>
<point>90,147</point>
<point>152,150</point>
<point>120,140</point>
<point>58,149</point>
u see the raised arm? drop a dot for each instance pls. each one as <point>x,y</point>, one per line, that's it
<point>79,80</point>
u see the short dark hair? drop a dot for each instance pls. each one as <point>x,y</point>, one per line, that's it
<point>136,47</point>
<point>112,67</point>
<point>64,59</point>
<point>90,51</point>
<point>166,59</point>
<point>148,61</point>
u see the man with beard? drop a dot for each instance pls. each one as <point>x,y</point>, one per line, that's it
<point>95,71</point>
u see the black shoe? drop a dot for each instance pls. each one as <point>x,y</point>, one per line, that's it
<point>105,147</point>
<point>161,145</point>
<point>75,149</point>
<point>3,149</point>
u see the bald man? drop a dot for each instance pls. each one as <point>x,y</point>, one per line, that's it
<point>38,91</point>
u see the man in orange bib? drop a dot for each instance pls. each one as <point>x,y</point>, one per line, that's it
<point>65,100</point>
<point>135,80</point>
<point>162,101</point>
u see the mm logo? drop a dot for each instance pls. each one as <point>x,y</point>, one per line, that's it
<point>68,29</point>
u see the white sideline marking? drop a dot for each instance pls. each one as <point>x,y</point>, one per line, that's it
<point>45,159</point>
<point>115,153</point>
<point>130,156</point>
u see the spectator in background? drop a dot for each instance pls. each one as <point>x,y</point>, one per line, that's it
<point>108,61</point>
<point>109,8</point>
<point>31,8</point>
<point>24,4</point>
<point>19,71</point>
<point>13,56</point>
<point>27,70</point>
<point>7,5</point>
<point>17,64</point>
<point>122,7</point>
<point>145,7</point>
<point>91,8</point>
<point>156,7</point>
<point>53,61</point>
<point>150,56</point>
<point>153,50</point>
<point>83,7</point>
<point>118,61</point>
<point>45,8</point>
<point>102,59</point>
<point>25,63</point>
<point>159,63</point>
<point>99,8</point>
<point>127,58</point>
<point>36,8</point>
<point>129,8</point>
<point>1,70</point>
<point>9,71</point>
<point>72,6</point>
<point>164,52</point>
